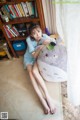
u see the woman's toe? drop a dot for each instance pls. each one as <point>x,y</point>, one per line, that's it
<point>47,111</point>
<point>53,111</point>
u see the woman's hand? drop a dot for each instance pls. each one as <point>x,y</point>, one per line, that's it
<point>40,47</point>
<point>36,53</point>
<point>46,42</point>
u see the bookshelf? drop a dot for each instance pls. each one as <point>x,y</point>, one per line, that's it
<point>37,16</point>
<point>4,49</point>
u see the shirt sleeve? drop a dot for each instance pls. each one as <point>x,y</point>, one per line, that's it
<point>45,36</point>
<point>30,45</point>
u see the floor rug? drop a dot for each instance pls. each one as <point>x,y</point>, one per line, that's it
<point>18,98</point>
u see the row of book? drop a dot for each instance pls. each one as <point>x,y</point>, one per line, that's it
<point>11,31</point>
<point>23,9</point>
<point>17,30</point>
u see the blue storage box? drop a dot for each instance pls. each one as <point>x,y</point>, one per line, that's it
<point>19,45</point>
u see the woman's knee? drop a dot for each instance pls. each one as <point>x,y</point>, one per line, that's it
<point>29,69</point>
<point>34,70</point>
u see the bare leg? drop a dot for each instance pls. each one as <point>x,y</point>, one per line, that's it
<point>36,87</point>
<point>42,85</point>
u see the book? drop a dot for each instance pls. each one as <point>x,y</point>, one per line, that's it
<point>35,9</point>
<point>15,30</point>
<point>11,31</point>
<point>11,11</point>
<point>21,10</point>
<point>13,8</point>
<point>24,6</point>
<point>20,15</point>
<point>16,10</point>
<point>8,32</point>
<point>5,12</point>
<point>30,8</point>
<point>7,9</point>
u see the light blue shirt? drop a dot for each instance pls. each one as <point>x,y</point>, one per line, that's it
<point>31,47</point>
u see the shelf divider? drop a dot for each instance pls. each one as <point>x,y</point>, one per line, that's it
<point>17,38</point>
<point>22,20</point>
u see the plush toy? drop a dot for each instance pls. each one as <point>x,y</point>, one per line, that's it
<point>52,62</point>
<point>51,46</point>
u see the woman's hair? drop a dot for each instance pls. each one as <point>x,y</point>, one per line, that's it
<point>32,26</point>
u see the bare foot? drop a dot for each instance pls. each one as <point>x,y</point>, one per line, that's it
<point>51,105</point>
<point>46,111</point>
<point>46,107</point>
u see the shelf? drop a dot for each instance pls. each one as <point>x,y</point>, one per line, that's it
<point>20,53</point>
<point>2,3</point>
<point>37,4</point>
<point>13,2</point>
<point>17,38</point>
<point>22,20</point>
<point>17,1</point>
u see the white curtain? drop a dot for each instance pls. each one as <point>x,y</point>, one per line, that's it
<point>67,20</point>
<point>68,26</point>
<point>49,14</point>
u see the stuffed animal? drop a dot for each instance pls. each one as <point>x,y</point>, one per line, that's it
<point>52,62</point>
